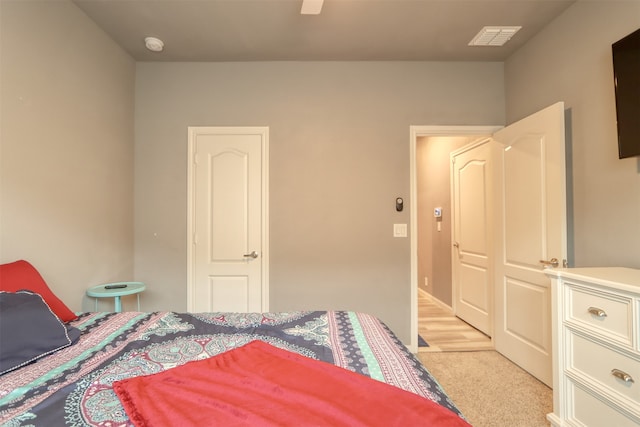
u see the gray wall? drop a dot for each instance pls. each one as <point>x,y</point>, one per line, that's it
<point>570,61</point>
<point>339,156</point>
<point>66,166</point>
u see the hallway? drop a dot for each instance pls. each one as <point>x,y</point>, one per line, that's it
<point>443,331</point>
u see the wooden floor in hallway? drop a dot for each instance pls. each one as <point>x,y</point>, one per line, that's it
<point>445,332</point>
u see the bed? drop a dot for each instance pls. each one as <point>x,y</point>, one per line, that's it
<point>74,384</point>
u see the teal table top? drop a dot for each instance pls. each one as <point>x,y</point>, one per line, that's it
<point>131,288</point>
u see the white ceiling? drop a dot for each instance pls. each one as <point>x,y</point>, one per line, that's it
<point>346,30</point>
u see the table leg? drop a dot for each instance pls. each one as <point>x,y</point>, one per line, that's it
<point>118,304</point>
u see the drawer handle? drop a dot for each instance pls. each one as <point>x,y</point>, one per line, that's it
<point>622,375</point>
<point>597,312</point>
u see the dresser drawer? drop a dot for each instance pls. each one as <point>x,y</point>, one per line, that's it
<point>616,311</point>
<point>596,362</point>
<point>587,410</point>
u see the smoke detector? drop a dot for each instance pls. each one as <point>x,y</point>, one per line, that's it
<point>493,36</point>
<point>154,44</point>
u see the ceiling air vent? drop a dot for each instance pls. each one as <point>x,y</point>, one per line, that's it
<point>493,36</point>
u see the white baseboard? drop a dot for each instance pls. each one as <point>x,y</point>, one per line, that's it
<point>426,294</point>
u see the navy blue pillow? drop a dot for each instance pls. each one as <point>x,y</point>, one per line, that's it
<point>29,330</point>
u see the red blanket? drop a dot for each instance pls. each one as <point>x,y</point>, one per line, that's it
<point>261,385</point>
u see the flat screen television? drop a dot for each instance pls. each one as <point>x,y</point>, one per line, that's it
<point>626,71</point>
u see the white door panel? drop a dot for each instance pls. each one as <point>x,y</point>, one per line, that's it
<point>527,301</point>
<point>227,219</point>
<point>531,228</point>
<point>226,293</point>
<point>523,193</point>
<point>474,288</point>
<point>229,181</point>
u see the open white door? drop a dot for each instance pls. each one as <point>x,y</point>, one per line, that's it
<point>227,219</point>
<point>531,231</point>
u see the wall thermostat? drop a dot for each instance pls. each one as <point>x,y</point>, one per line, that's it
<point>399,204</point>
<point>437,212</point>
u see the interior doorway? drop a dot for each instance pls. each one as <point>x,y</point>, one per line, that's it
<point>430,216</point>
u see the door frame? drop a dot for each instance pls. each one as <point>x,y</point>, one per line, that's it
<point>192,131</point>
<point>415,133</point>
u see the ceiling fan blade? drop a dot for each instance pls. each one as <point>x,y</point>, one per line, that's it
<point>311,7</point>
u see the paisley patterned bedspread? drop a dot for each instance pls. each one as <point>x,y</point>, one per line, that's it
<point>73,386</point>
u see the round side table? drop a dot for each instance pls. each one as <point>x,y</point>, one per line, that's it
<point>116,290</point>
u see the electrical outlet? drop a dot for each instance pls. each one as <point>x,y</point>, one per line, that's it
<point>426,282</point>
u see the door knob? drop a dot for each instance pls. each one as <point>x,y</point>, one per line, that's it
<point>253,254</point>
<point>553,262</point>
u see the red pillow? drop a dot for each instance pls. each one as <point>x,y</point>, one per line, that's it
<point>21,275</point>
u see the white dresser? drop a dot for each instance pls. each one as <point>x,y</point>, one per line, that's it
<point>596,347</point>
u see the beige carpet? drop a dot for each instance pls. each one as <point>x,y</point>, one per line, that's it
<point>490,390</point>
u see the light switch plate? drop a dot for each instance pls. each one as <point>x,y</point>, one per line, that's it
<point>399,230</point>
